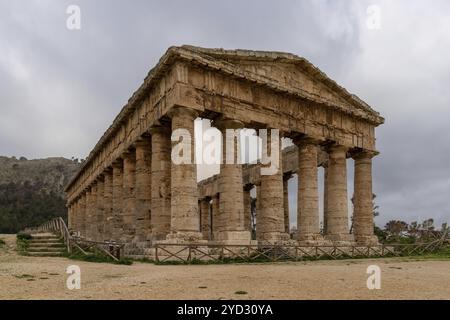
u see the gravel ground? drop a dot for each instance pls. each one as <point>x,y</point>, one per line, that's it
<point>45,278</point>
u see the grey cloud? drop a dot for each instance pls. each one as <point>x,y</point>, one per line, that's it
<point>60,89</point>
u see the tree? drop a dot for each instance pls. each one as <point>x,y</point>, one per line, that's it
<point>396,228</point>
<point>374,209</point>
<point>428,225</point>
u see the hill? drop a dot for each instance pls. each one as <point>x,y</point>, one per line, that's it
<point>32,191</point>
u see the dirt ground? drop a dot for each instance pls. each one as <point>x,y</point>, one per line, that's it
<point>45,278</point>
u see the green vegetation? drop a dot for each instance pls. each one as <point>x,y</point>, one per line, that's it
<point>2,243</point>
<point>240,292</point>
<point>24,276</point>
<point>441,254</point>
<point>32,191</point>
<point>23,241</point>
<point>93,257</point>
<point>24,236</point>
<point>400,232</point>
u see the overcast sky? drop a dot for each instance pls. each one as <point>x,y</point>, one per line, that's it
<point>61,89</point>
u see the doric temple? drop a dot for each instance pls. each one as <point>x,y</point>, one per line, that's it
<point>128,189</point>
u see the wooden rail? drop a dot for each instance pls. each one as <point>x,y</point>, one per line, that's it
<point>57,225</point>
<point>189,253</point>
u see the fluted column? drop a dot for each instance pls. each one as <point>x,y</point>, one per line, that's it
<point>230,185</point>
<point>93,212</point>
<point>215,215</point>
<point>325,199</point>
<point>117,200</point>
<point>129,178</point>
<point>308,225</point>
<point>247,209</point>
<point>160,182</point>
<point>286,202</point>
<point>337,214</point>
<point>143,189</point>
<point>108,217</point>
<point>82,216</point>
<point>363,224</point>
<point>88,216</point>
<point>75,226</point>
<point>258,206</point>
<point>73,220</point>
<point>205,218</point>
<point>99,220</point>
<point>73,213</point>
<point>185,219</point>
<point>69,216</point>
<point>271,214</point>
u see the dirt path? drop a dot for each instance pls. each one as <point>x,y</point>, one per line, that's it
<point>45,278</point>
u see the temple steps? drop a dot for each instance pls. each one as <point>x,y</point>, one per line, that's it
<point>45,245</point>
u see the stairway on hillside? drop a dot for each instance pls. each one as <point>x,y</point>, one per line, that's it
<point>45,245</point>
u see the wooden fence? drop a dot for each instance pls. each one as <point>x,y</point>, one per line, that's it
<point>192,253</point>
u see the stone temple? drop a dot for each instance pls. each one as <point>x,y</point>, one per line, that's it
<point>128,189</point>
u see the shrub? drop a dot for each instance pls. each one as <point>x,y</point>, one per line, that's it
<point>99,258</point>
<point>24,236</point>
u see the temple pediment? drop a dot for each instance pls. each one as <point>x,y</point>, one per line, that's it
<point>284,71</point>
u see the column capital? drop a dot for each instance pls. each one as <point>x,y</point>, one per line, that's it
<point>362,154</point>
<point>129,154</point>
<point>304,140</point>
<point>336,148</point>
<point>107,171</point>
<point>118,163</point>
<point>143,141</point>
<point>160,129</point>
<point>182,111</point>
<point>228,123</point>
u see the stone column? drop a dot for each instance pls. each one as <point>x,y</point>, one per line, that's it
<point>70,216</point>
<point>205,218</point>
<point>73,212</point>
<point>128,213</point>
<point>93,212</point>
<point>271,214</point>
<point>247,209</point>
<point>73,219</point>
<point>82,216</point>
<point>308,225</point>
<point>160,182</point>
<point>325,199</point>
<point>286,178</point>
<point>216,221</point>
<point>143,189</point>
<point>185,220</point>
<point>337,214</point>
<point>108,218</point>
<point>88,215</point>
<point>258,206</point>
<point>99,221</point>
<point>117,200</point>
<point>363,224</point>
<point>230,186</point>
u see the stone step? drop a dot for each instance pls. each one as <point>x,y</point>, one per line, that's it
<point>45,241</point>
<point>49,249</point>
<point>45,238</point>
<point>43,245</point>
<point>45,254</point>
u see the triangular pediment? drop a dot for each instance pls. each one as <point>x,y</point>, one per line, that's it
<point>294,73</point>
